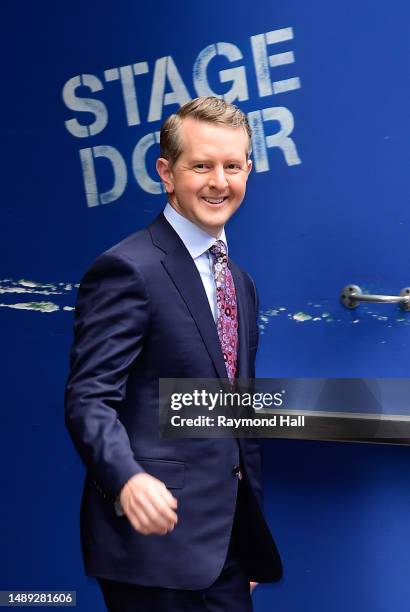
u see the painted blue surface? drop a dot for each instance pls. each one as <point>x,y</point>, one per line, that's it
<point>339,511</point>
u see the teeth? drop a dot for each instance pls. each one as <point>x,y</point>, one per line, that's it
<point>214,201</point>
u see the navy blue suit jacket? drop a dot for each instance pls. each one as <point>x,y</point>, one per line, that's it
<point>142,314</point>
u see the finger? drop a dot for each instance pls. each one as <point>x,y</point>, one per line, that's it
<point>167,496</point>
<point>154,513</point>
<point>143,524</point>
<point>161,504</point>
<point>160,487</point>
<point>156,494</point>
<point>137,524</point>
<point>154,517</point>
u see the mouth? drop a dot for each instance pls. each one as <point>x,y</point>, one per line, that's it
<point>215,201</point>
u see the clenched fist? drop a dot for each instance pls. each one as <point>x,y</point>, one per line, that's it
<point>148,505</point>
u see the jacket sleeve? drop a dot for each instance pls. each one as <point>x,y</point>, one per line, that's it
<point>111,320</point>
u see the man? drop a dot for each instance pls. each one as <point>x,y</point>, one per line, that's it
<point>171,524</point>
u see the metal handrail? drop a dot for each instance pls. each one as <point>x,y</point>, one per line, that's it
<point>352,295</point>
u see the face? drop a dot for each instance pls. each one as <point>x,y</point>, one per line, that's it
<point>207,183</point>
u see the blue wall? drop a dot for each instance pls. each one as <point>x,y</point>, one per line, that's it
<point>326,91</point>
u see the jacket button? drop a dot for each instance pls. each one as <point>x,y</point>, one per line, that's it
<point>237,472</point>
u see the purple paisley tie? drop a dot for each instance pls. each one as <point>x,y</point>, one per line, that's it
<point>227,318</point>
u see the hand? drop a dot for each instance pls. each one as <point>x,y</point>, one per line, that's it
<point>148,505</point>
<point>252,586</point>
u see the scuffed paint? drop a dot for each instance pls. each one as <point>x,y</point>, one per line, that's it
<point>13,288</point>
<point>363,315</point>
<point>301,316</point>
<point>22,290</point>
<point>29,283</point>
<point>38,306</point>
<point>64,289</point>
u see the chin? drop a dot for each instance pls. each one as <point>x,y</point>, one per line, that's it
<point>209,225</point>
<point>215,226</point>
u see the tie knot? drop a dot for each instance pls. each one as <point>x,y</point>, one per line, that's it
<point>218,250</point>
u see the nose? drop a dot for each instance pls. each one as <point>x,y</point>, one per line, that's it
<point>217,179</point>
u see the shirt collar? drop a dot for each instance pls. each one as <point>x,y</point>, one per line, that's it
<point>196,240</point>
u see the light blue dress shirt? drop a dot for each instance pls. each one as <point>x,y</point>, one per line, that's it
<point>197,241</point>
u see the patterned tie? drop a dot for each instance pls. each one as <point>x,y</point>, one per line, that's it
<point>227,319</point>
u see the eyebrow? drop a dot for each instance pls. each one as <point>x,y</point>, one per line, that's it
<point>205,160</point>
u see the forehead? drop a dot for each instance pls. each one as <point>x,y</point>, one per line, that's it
<point>205,139</point>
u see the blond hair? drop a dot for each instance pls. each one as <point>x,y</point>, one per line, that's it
<point>206,108</point>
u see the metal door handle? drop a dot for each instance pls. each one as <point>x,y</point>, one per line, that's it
<point>352,295</point>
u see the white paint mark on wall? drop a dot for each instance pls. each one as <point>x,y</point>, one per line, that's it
<point>29,283</point>
<point>38,306</point>
<point>24,286</point>
<point>300,317</point>
<point>22,290</point>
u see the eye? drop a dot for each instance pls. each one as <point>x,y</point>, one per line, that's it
<point>234,167</point>
<point>201,167</point>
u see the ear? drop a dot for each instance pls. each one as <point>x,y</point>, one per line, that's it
<point>249,168</point>
<point>165,173</point>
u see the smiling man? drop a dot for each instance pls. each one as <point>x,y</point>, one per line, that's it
<point>171,524</point>
<point>206,176</point>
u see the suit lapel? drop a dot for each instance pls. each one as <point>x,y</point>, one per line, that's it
<point>184,274</point>
<point>187,280</point>
<point>243,322</point>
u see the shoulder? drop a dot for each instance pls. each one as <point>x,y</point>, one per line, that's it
<point>134,255</point>
<point>136,247</point>
<point>115,280</point>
